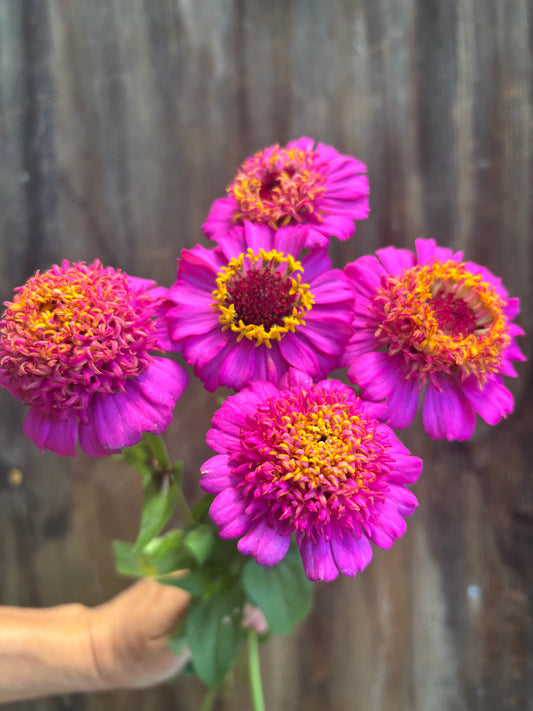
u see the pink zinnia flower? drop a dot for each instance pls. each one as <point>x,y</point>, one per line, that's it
<point>299,184</point>
<point>80,344</point>
<point>310,459</point>
<point>254,306</point>
<point>437,322</point>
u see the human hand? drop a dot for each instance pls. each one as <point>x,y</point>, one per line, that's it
<point>129,635</point>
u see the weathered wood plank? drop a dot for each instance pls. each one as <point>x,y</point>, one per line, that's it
<point>120,122</point>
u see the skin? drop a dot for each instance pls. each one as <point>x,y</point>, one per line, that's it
<point>73,648</point>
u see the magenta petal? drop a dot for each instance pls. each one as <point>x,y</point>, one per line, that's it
<point>264,543</point>
<point>227,511</point>
<point>90,441</point>
<point>63,436</point>
<point>162,383</point>
<point>220,217</point>
<point>395,260</point>
<point>298,354</point>
<point>403,499</point>
<point>405,468</point>
<point>351,554</point>
<point>447,414</point>
<point>318,560</point>
<point>390,526</point>
<point>427,249</point>
<point>237,369</point>
<point>377,374</point>
<point>402,403</point>
<point>117,423</point>
<point>493,402</point>
<point>216,474</point>
<point>37,426</point>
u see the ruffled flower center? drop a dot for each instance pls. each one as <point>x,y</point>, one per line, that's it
<point>74,331</point>
<point>260,296</point>
<point>311,458</point>
<point>279,186</point>
<point>442,318</point>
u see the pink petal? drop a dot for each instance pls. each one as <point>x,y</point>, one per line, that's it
<point>351,553</point>
<point>298,354</point>
<point>426,250</point>
<point>220,216</point>
<point>492,402</point>
<point>403,499</point>
<point>37,426</point>
<point>227,511</point>
<point>402,403</point>
<point>377,373</point>
<point>365,275</point>
<point>162,383</point>
<point>264,543</point>
<point>447,413</point>
<point>318,560</point>
<point>216,474</point>
<point>63,436</point>
<point>389,527</point>
<point>90,441</point>
<point>395,260</point>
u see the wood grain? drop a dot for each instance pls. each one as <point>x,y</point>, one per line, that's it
<point>120,122</point>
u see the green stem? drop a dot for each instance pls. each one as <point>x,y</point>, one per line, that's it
<point>184,509</point>
<point>255,671</point>
<point>209,700</point>
<point>160,453</point>
<point>159,450</point>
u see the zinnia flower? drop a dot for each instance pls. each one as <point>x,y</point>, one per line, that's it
<point>310,459</point>
<point>437,322</point>
<point>80,344</point>
<point>253,306</point>
<point>297,184</point>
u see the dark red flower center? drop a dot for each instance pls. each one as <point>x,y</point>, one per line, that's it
<point>262,297</point>
<point>454,317</point>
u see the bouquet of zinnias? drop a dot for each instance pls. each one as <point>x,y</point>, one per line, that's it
<point>307,472</point>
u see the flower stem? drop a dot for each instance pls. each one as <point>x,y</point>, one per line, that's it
<point>160,453</point>
<point>184,509</point>
<point>159,450</point>
<point>209,700</point>
<point>255,671</point>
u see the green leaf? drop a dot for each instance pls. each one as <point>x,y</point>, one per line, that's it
<point>198,582</point>
<point>199,541</point>
<point>214,632</point>
<point>127,562</point>
<point>167,554</point>
<point>160,496</point>
<point>282,591</point>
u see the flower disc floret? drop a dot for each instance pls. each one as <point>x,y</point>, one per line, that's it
<point>258,304</point>
<point>313,459</point>
<point>442,318</point>
<point>260,296</point>
<point>81,345</point>
<point>74,331</point>
<point>436,325</point>
<point>278,186</point>
<point>301,183</point>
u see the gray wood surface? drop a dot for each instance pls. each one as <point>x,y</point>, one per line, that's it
<point>120,122</point>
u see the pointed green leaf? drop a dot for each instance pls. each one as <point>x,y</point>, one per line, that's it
<point>158,506</point>
<point>127,562</point>
<point>199,541</point>
<point>282,591</point>
<point>214,633</point>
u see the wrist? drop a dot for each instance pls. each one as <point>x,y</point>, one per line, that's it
<point>45,652</point>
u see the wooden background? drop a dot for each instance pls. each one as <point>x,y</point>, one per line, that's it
<point>120,122</point>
